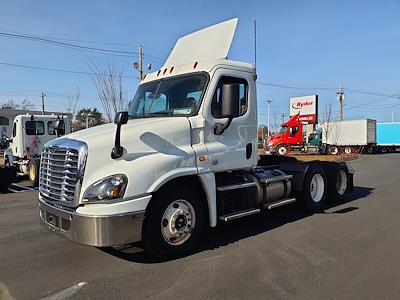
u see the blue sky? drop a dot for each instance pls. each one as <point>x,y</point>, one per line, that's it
<point>304,47</point>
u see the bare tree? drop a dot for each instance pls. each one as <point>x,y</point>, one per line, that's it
<point>11,104</point>
<point>72,104</point>
<point>27,105</point>
<point>110,88</point>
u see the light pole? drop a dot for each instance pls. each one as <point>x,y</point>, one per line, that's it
<point>268,105</point>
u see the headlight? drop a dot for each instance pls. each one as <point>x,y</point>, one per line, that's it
<point>109,188</point>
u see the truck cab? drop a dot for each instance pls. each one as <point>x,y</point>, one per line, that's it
<point>30,133</point>
<point>289,137</point>
<point>182,158</point>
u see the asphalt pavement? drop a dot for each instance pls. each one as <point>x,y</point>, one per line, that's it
<point>349,251</point>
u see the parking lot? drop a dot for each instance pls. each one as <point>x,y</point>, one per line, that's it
<point>350,250</point>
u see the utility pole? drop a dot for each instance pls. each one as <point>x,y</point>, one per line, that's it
<point>139,65</point>
<point>42,96</point>
<point>269,126</point>
<point>340,98</point>
<point>87,119</point>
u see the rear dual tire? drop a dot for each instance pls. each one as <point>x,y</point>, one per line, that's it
<point>314,188</point>
<point>338,181</point>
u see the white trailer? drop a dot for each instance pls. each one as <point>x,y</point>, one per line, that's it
<point>349,136</point>
<point>30,133</point>
<point>182,158</point>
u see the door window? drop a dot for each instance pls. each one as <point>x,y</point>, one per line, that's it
<point>34,128</point>
<point>216,105</point>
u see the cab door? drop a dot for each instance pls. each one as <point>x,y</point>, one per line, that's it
<point>236,146</point>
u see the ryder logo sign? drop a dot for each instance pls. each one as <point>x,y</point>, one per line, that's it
<point>307,106</point>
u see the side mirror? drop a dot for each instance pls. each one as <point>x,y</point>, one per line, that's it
<point>121,118</point>
<point>59,127</point>
<point>230,106</point>
<point>230,100</point>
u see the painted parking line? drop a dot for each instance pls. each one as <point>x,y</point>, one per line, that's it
<point>15,188</point>
<point>66,293</point>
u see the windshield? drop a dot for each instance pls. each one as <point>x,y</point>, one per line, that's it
<point>178,96</point>
<point>283,129</point>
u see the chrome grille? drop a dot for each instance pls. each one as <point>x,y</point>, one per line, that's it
<point>61,171</point>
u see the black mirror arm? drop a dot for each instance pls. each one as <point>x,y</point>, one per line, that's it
<point>117,151</point>
<point>219,128</point>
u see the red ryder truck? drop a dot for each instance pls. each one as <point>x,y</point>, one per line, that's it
<point>331,137</point>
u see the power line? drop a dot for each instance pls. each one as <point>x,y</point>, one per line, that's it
<point>63,70</point>
<point>45,40</point>
<point>294,87</point>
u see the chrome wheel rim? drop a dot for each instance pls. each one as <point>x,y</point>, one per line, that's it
<point>317,188</point>
<point>341,182</point>
<point>347,150</point>
<point>282,150</point>
<point>177,222</point>
<point>334,150</point>
<point>32,173</point>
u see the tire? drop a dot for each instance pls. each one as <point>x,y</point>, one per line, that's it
<point>370,150</point>
<point>348,150</point>
<point>314,188</point>
<point>338,181</point>
<point>384,150</point>
<point>164,215</point>
<point>281,150</point>
<point>333,150</point>
<point>33,171</point>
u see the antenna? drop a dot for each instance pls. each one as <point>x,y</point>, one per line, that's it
<point>255,46</point>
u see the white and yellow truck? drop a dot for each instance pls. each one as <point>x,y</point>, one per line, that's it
<point>183,157</point>
<point>30,133</point>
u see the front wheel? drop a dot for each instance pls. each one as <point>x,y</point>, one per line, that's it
<point>282,150</point>
<point>174,223</point>
<point>33,171</point>
<point>314,188</point>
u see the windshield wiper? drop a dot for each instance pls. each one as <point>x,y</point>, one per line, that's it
<point>161,113</point>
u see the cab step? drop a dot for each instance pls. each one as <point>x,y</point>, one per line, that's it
<point>239,214</point>
<point>278,203</point>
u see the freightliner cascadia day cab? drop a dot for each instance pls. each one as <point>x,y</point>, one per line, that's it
<point>182,158</point>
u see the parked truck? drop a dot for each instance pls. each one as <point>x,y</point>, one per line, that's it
<point>182,158</point>
<point>330,137</point>
<point>388,137</point>
<point>30,133</point>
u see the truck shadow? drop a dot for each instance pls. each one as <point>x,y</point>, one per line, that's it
<point>231,232</point>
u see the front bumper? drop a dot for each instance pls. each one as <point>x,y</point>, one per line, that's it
<point>271,149</point>
<point>99,231</point>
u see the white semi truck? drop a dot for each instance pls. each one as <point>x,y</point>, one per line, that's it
<point>30,133</point>
<point>183,157</point>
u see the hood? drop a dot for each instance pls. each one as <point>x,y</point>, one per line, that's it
<point>275,136</point>
<point>137,134</point>
<point>152,147</point>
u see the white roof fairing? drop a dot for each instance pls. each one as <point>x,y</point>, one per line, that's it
<point>209,43</point>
